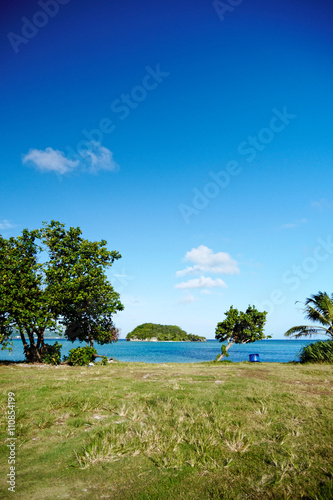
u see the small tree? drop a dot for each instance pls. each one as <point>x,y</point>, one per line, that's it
<point>68,287</point>
<point>240,328</point>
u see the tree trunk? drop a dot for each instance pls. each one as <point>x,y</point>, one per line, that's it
<point>91,340</point>
<point>25,345</point>
<point>226,350</point>
<point>32,352</point>
<point>40,338</point>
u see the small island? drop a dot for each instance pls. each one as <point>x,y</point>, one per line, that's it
<point>150,332</point>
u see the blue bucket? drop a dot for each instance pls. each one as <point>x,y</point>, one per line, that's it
<point>254,357</point>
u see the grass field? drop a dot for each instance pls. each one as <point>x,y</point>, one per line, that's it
<point>176,431</point>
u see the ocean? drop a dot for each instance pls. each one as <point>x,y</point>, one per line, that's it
<point>280,351</point>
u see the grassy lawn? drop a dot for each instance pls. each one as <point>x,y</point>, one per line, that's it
<point>175,431</point>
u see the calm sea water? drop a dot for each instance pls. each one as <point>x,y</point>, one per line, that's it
<point>281,351</point>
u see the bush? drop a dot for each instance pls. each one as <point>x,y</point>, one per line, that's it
<point>318,352</point>
<point>81,356</point>
<point>51,354</point>
<point>103,362</point>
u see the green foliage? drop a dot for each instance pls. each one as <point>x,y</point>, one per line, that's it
<point>195,338</point>
<point>240,328</point>
<point>224,351</point>
<point>162,333</point>
<point>318,352</point>
<point>51,353</point>
<point>318,308</point>
<point>81,356</point>
<point>23,295</point>
<point>68,287</point>
<point>5,333</point>
<point>77,269</point>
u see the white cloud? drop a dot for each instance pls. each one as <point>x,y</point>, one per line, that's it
<point>50,160</point>
<point>6,224</point>
<point>205,260</point>
<point>92,159</point>
<point>97,157</point>
<point>188,299</point>
<point>296,223</point>
<point>201,282</point>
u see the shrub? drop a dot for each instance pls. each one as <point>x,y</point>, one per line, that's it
<point>318,352</point>
<point>51,353</point>
<point>81,356</point>
<point>103,362</point>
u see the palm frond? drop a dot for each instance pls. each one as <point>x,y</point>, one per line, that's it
<point>306,331</point>
<point>313,314</point>
<point>319,307</point>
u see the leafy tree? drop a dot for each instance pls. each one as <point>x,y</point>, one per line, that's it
<point>23,298</point>
<point>68,288</point>
<point>318,308</point>
<point>240,328</point>
<point>77,268</point>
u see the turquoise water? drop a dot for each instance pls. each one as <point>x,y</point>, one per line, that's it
<point>281,351</point>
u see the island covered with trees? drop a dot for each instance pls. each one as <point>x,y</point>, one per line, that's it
<point>158,333</point>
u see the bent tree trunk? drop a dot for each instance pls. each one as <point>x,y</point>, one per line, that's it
<point>224,352</point>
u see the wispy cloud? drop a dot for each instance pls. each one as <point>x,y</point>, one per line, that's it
<point>202,282</point>
<point>98,158</point>
<point>187,299</point>
<point>205,260</point>
<point>296,223</point>
<point>92,160</point>
<point>6,224</point>
<point>322,205</point>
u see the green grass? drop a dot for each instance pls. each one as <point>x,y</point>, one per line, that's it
<point>177,431</point>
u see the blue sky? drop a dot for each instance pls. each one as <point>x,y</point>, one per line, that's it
<point>194,136</point>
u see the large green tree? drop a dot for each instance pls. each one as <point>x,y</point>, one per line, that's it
<point>240,328</point>
<point>318,308</point>
<point>51,277</point>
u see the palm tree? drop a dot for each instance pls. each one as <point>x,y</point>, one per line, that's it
<point>318,308</point>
